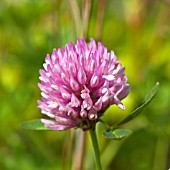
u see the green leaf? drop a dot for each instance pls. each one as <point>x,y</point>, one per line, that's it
<point>140,107</point>
<point>34,125</point>
<point>117,134</point>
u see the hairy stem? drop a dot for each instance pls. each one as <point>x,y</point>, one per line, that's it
<point>96,149</point>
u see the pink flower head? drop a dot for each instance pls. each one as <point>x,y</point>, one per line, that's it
<point>78,83</point>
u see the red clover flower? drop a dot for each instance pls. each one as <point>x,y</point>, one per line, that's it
<point>78,83</point>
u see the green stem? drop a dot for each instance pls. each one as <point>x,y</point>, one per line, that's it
<point>96,149</point>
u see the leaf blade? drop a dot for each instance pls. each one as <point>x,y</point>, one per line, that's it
<point>147,99</point>
<point>117,134</point>
<point>34,125</point>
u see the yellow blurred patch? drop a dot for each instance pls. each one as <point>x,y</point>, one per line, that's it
<point>114,114</point>
<point>10,76</point>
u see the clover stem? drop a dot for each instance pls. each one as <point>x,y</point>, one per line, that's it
<point>96,149</point>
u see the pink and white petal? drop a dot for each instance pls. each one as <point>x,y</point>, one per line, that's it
<point>55,126</point>
<point>124,92</point>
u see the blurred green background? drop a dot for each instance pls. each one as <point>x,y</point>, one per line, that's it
<point>139,33</point>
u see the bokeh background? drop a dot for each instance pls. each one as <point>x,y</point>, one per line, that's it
<point>139,33</point>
